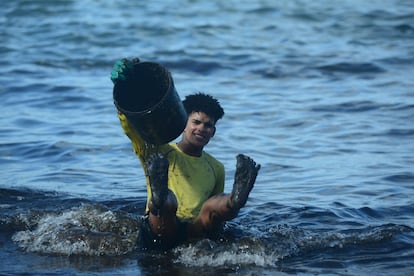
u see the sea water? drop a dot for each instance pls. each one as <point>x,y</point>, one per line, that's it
<point>320,93</point>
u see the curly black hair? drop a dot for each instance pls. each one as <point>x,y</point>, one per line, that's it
<point>201,102</point>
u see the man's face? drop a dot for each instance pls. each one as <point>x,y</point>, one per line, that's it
<point>199,129</point>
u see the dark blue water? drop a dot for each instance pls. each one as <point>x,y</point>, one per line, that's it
<point>320,93</point>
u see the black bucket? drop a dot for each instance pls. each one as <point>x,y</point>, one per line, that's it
<point>150,102</point>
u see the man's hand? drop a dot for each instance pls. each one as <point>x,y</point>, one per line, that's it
<point>122,69</point>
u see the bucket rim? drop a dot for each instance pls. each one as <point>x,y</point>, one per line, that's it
<point>155,106</point>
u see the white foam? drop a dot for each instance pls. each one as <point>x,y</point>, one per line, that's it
<point>225,255</point>
<point>88,230</point>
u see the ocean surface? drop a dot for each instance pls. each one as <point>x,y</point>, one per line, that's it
<point>320,93</point>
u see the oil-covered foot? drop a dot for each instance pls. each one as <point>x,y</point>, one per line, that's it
<point>157,166</point>
<point>245,176</point>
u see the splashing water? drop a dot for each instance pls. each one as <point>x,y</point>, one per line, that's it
<point>277,243</point>
<point>88,230</point>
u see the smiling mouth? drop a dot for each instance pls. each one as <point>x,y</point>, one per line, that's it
<point>199,136</point>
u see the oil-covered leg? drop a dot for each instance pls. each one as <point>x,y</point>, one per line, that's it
<point>157,167</point>
<point>245,176</point>
<point>163,203</point>
<point>223,207</point>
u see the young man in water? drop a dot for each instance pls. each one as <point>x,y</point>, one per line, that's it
<point>185,184</point>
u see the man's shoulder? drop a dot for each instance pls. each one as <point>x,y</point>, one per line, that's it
<point>168,150</point>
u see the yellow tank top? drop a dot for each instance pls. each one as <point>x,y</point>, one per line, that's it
<point>192,179</point>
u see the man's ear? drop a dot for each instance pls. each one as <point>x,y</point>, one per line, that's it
<point>214,131</point>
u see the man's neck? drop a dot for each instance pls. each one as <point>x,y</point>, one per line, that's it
<point>189,149</point>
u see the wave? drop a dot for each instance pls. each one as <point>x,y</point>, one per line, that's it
<point>86,230</point>
<point>351,68</point>
<point>281,242</point>
<point>96,230</point>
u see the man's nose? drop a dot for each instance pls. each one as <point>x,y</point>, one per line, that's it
<point>203,127</point>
